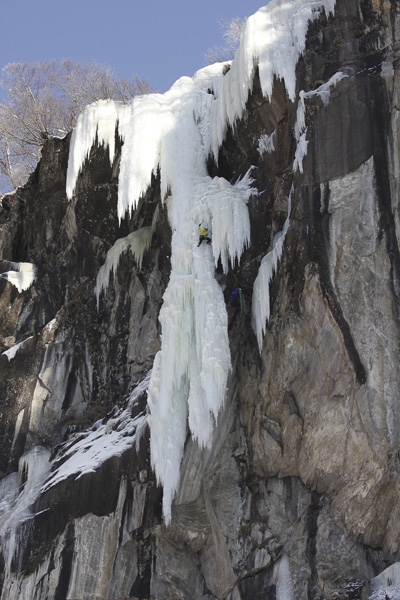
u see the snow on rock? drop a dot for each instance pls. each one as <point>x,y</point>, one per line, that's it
<point>22,277</point>
<point>86,451</point>
<point>173,134</point>
<point>37,472</point>
<point>324,90</point>
<point>386,585</point>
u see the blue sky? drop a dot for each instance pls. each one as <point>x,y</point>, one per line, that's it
<point>156,39</point>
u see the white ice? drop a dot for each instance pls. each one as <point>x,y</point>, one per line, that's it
<point>22,277</point>
<point>266,144</point>
<point>260,301</point>
<point>173,134</point>
<point>324,90</point>
<point>17,495</point>
<point>386,585</point>
<point>11,352</point>
<point>300,129</point>
<point>137,242</point>
<point>284,586</point>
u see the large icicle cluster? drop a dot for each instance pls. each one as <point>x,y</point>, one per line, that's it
<point>175,132</point>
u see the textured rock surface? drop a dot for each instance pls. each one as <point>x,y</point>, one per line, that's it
<point>304,467</point>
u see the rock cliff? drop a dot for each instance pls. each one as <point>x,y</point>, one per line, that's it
<point>297,496</point>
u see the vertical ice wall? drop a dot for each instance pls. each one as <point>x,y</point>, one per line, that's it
<point>175,132</point>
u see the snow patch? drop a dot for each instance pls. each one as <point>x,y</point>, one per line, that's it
<point>86,451</point>
<point>386,585</point>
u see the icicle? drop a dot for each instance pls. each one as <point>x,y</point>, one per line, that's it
<point>266,144</point>
<point>272,39</point>
<point>97,120</point>
<point>300,129</point>
<point>137,242</point>
<point>268,266</point>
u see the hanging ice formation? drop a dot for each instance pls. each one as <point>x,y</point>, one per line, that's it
<point>22,275</point>
<point>175,132</point>
<point>269,264</point>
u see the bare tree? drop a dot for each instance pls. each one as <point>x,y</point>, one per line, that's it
<point>44,99</point>
<point>231,34</point>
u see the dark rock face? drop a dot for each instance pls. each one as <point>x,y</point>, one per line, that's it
<point>303,473</point>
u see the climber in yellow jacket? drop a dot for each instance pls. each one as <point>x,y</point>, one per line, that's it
<point>203,231</point>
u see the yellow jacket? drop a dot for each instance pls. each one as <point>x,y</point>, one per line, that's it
<point>203,231</point>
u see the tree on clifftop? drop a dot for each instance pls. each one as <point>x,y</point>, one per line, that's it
<point>44,99</point>
<point>231,34</point>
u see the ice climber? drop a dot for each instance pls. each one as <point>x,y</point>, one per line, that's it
<point>203,231</point>
<point>237,293</point>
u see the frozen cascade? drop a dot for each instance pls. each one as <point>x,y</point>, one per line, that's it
<point>175,132</point>
<point>15,511</point>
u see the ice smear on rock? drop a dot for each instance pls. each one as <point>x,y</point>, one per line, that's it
<point>172,135</point>
<point>11,352</point>
<point>300,130</point>
<point>284,586</point>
